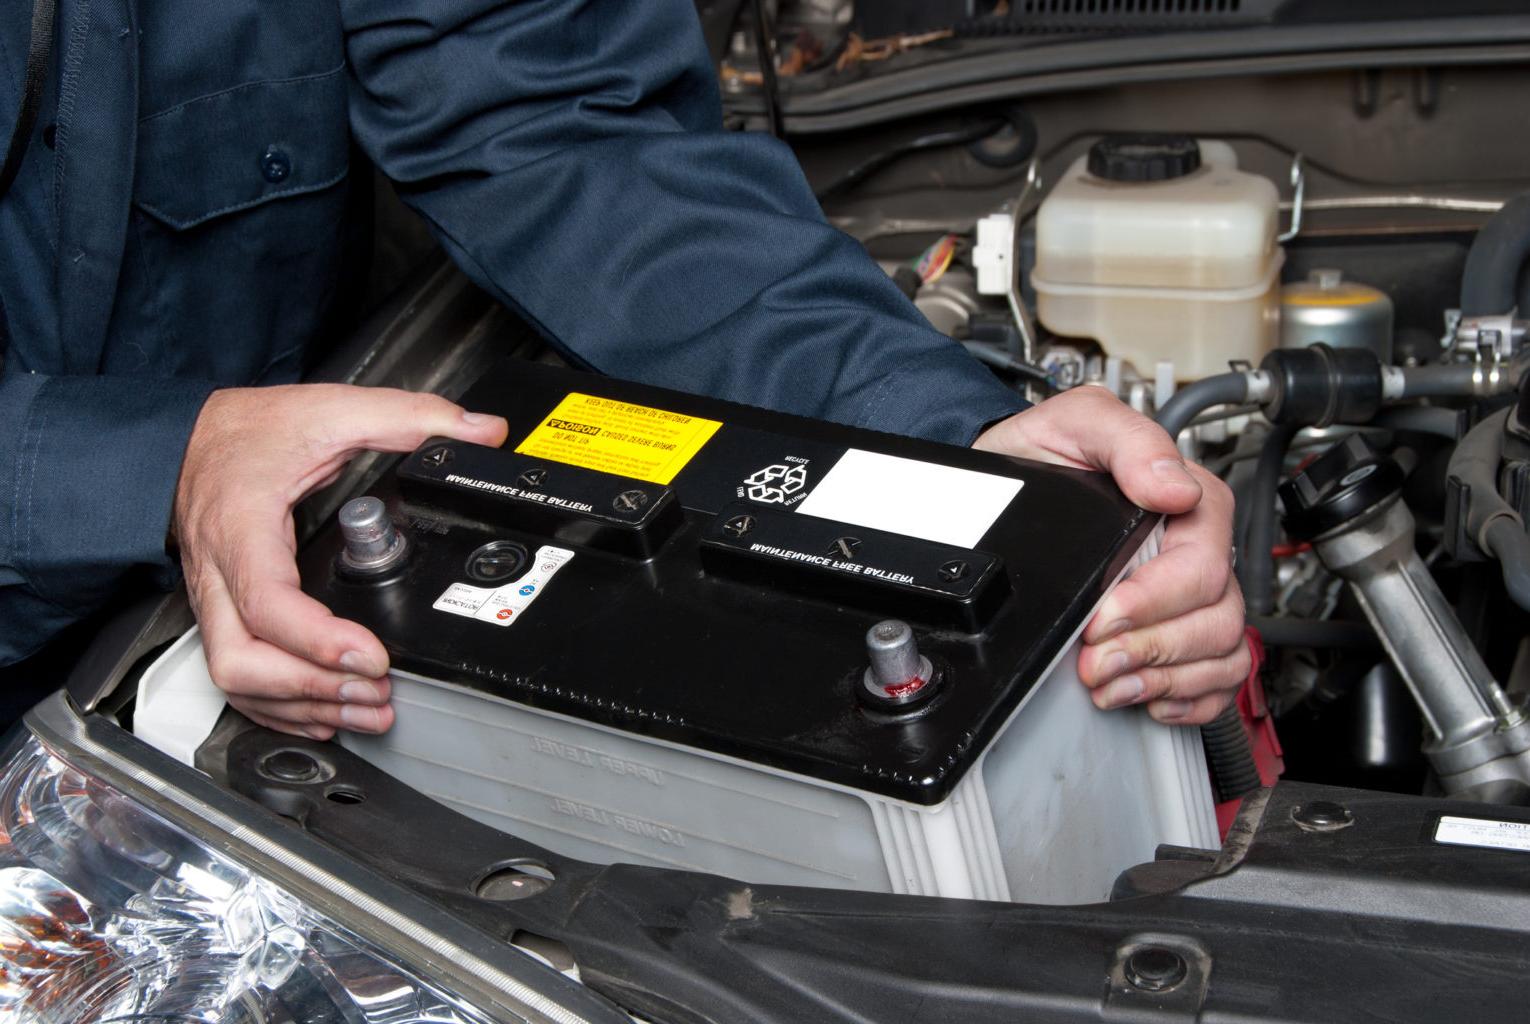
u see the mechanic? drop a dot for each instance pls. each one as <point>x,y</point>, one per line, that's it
<point>176,242</point>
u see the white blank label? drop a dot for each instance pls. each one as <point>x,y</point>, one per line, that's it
<point>1486,832</point>
<point>916,499</point>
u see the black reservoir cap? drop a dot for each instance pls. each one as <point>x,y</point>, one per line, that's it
<point>1350,478</point>
<point>1144,157</point>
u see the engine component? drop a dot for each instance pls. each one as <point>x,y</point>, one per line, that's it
<point>1160,248</point>
<point>1495,264</point>
<point>1347,504</point>
<point>1477,515</point>
<point>1256,562</point>
<point>680,676</point>
<point>1345,314</point>
<point>1322,385</point>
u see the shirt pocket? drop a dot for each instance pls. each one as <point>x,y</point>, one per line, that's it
<point>241,148</point>
<point>238,233</point>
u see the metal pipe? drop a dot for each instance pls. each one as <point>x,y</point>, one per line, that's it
<point>1481,741</point>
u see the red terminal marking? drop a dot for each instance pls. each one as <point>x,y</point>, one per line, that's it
<point>914,685</point>
<point>503,613</point>
<point>1264,744</point>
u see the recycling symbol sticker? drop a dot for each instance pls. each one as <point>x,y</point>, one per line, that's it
<point>780,484</point>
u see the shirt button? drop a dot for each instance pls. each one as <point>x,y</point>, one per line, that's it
<point>275,165</point>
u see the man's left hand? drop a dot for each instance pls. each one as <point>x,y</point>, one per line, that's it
<point>1171,636</point>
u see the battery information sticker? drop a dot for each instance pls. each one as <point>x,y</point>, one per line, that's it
<point>618,437</point>
<point>1485,832</point>
<point>502,606</point>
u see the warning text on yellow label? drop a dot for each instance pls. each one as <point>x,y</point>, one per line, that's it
<point>618,437</point>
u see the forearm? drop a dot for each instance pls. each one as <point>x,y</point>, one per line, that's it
<point>570,158</point>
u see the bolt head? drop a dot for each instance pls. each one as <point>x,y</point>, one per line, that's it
<point>1155,969</point>
<point>290,766</point>
<point>1322,816</point>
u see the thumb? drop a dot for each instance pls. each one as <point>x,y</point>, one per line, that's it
<point>1089,426</point>
<point>390,420</point>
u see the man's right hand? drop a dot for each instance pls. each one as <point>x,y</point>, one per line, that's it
<point>280,656</point>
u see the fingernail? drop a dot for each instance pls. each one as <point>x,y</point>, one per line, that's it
<point>1114,664</point>
<point>1173,471</point>
<point>478,419</point>
<point>355,661</point>
<point>1116,628</point>
<point>1124,691</point>
<point>358,691</point>
<point>1172,709</point>
<point>359,717</point>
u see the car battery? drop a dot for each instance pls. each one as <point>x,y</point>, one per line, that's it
<point>669,630</point>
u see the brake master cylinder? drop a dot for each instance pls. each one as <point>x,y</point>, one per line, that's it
<point>1160,248</point>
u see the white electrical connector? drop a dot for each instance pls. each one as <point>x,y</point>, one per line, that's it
<point>992,254</point>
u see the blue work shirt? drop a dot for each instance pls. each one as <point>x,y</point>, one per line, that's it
<point>187,228</point>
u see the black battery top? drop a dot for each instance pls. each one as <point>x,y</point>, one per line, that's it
<point>707,573</point>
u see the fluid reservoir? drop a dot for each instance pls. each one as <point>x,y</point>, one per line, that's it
<point>1160,248</point>
<point>1344,314</point>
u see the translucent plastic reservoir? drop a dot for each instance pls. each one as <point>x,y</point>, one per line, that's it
<point>1184,269</point>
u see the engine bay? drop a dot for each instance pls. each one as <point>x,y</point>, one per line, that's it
<point>1326,235</point>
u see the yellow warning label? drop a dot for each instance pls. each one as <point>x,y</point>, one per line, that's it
<point>618,437</point>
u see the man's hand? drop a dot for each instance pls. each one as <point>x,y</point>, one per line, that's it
<point>1172,635</point>
<point>281,657</point>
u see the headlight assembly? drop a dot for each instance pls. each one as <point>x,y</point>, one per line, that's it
<point>112,912</point>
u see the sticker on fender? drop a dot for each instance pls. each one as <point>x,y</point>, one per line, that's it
<point>1491,833</point>
<point>503,605</point>
<point>618,437</point>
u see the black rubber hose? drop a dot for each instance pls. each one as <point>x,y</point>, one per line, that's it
<point>1475,464</point>
<point>1490,283</point>
<point>1449,380</point>
<point>1421,419</point>
<point>764,44</point>
<point>1510,544</point>
<point>998,358</point>
<point>1320,634</point>
<point>934,140</point>
<point>1011,156</point>
<point>1195,398</point>
<point>1490,520</point>
<point>1256,562</point>
<point>1229,756</point>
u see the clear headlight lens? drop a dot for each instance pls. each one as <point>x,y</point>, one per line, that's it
<point>110,913</point>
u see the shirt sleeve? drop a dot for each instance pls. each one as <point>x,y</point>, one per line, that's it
<point>88,469</point>
<point>570,157</point>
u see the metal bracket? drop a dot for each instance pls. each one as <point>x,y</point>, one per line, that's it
<point>1298,199</point>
